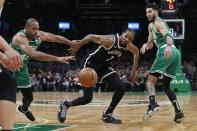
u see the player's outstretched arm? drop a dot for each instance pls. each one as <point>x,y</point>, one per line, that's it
<point>76,44</point>
<point>4,45</point>
<point>91,38</point>
<point>104,40</point>
<point>22,43</point>
<point>46,36</point>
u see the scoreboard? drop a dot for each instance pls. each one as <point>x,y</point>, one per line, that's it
<point>168,6</point>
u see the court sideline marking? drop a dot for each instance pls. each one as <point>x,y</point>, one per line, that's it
<point>42,123</point>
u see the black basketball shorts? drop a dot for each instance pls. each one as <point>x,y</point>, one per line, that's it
<point>7,85</point>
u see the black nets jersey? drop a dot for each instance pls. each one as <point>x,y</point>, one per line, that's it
<point>102,57</point>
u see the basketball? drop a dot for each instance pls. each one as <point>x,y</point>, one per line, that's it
<point>87,77</point>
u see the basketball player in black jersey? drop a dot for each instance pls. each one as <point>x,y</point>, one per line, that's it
<point>9,60</point>
<point>110,49</point>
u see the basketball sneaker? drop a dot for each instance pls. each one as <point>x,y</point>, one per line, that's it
<point>152,108</point>
<point>61,116</point>
<point>27,113</point>
<point>179,117</point>
<point>108,118</point>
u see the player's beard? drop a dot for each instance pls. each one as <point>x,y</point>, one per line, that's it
<point>31,36</point>
<point>152,20</point>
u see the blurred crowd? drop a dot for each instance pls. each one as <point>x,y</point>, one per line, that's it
<point>190,68</point>
<point>58,77</point>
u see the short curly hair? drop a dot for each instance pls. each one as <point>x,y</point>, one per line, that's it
<point>153,6</point>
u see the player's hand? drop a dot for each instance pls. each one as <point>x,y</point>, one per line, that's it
<point>76,44</point>
<point>167,52</point>
<point>4,60</point>
<point>65,59</point>
<point>144,48</point>
<point>134,79</point>
<point>15,60</point>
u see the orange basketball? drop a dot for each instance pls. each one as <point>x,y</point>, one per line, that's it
<point>87,77</point>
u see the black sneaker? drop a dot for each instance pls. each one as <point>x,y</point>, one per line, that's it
<point>152,108</point>
<point>61,116</point>
<point>108,118</point>
<point>179,117</point>
<point>27,113</point>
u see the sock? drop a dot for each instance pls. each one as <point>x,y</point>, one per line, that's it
<point>26,104</point>
<point>24,108</point>
<point>109,110</point>
<point>176,106</point>
<point>67,103</point>
<point>152,99</point>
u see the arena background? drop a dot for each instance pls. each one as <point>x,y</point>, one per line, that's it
<point>97,17</point>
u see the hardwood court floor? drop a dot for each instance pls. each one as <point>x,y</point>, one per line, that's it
<point>88,117</point>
